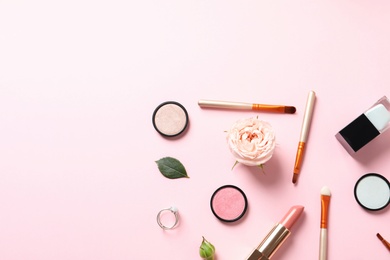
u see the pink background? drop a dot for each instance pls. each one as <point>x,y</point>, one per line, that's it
<point>79,81</point>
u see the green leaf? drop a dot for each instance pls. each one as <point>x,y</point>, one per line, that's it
<point>171,168</point>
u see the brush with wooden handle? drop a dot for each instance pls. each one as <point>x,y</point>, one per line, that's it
<point>246,106</point>
<point>325,199</point>
<point>387,244</point>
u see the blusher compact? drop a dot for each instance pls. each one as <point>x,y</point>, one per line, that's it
<point>372,191</point>
<point>170,119</point>
<point>228,203</point>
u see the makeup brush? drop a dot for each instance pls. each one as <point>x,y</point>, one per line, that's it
<point>325,199</point>
<point>246,106</point>
<point>387,244</point>
<point>307,117</point>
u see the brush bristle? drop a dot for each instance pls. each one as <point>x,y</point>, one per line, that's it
<point>325,191</point>
<point>289,110</point>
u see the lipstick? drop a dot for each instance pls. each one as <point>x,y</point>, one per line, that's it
<point>277,235</point>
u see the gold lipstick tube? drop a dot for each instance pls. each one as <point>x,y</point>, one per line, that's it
<point>271,243</point>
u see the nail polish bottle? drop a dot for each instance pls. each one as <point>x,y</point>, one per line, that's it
<point>369,125</point>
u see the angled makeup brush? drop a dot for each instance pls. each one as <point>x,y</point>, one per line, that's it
<point>387,244</point>
<point>246,106</point>
<point>325,199</point>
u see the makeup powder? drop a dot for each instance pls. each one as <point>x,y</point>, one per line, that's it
<point>372,191</point>
<point>170,119</point>
<point>228,203</point>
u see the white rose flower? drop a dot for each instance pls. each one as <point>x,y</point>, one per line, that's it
<point>251,141</point>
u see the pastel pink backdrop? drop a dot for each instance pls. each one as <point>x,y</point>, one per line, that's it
<point>79,81</point>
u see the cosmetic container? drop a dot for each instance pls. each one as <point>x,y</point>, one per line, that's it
<point>170,119</point>
<point>372,191</point>
<point>229,203</point>
<point>369,125</point>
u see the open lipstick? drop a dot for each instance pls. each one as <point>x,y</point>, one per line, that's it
<point>278,234</point>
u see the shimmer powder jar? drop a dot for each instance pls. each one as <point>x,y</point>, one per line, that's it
<point>372,191</point>
<point>170,119</point>
<point>228,203</point>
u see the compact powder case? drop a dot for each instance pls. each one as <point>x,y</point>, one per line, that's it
<point>228,203</point>
<point>372,191</point>
<point>170,119</point>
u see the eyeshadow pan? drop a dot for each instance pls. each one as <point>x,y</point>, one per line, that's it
<point>170,119</point>
<point>228,203</point>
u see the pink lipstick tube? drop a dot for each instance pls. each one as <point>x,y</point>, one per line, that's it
<point>277,235</point>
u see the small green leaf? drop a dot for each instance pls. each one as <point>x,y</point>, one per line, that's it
<point>171,168</point>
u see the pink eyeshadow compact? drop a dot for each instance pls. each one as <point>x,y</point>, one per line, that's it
<point>170,119</point>
<point>228,203</point>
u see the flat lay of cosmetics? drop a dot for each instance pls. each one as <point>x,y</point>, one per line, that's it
<point>252,142</point>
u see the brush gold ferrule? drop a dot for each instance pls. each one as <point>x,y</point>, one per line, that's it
<point>268,108</point>
<point>299,157</point>
<point>325,199</point>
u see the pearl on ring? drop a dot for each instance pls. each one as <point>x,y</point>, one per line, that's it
<point>175,212</point>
